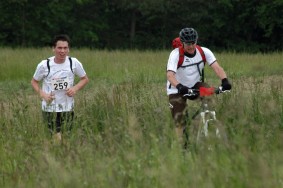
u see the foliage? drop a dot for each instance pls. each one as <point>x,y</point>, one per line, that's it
<point>121,24</point>
<point>124,134</point>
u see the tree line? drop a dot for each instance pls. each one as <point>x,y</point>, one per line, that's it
<point>234,25</point>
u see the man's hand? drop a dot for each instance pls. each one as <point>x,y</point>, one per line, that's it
<point>182,89</point>
<point>48,97</point>
<point>226,84</point>
<point>71,92</point>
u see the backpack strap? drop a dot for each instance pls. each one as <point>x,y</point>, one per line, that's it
<point>48,65</point>
<point>71,64</point>
<point>182,52</point>
<point>204,61</point>
<point>201,53</point>
<point>181,58</point>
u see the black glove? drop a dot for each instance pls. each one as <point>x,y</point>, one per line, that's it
<point>182,89</point>
<point>226,84</point>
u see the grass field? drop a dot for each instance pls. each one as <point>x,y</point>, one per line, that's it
<point>124,136</point>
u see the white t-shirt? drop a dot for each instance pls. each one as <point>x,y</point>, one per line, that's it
<point>187,75</point>
<point>59,79</point>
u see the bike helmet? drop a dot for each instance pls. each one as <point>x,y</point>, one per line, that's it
<point>188,35</point>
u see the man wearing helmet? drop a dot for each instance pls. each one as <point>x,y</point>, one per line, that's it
<point>189,75</point>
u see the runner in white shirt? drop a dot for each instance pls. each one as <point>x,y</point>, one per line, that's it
<point>57,74</point>
<point>189,75</point>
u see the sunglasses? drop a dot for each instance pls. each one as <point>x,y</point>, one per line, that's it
<point>190,43</point>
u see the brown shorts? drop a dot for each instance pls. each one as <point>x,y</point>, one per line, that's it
<point>178,106</point>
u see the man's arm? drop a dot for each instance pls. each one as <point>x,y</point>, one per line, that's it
<point>172,78</point>
<point>218,70</point>
<point>222,75</point>
<point>174,82</point>
<point>73,90</point>
<point>42,94</point>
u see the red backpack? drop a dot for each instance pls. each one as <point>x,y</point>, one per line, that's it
<point>176,43</point>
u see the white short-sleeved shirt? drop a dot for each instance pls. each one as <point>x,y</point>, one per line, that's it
<point>187,75</point>
<point>59,79</point>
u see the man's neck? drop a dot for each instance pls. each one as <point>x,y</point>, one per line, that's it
<point>190,55</point>
<point>59,60</point>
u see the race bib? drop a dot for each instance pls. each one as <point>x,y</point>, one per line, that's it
<point>60,83</point>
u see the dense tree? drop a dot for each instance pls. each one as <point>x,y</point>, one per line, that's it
<point>247,25</point>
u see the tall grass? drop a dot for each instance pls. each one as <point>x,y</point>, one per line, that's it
<point>123,134</point>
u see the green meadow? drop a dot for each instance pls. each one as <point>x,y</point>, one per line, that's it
<point>124,135</point>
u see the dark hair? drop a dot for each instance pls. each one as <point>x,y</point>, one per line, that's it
<point>61,37</point>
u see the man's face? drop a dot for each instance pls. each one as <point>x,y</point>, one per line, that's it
<point>61,50</point>
<point>190,47</point>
